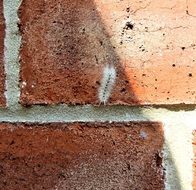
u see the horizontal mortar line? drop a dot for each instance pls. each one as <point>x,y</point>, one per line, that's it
<point>88,113</point>
<point>63,113</point>
<point>176,107</point>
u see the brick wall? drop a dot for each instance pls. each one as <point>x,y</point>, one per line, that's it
<point>97,94</point>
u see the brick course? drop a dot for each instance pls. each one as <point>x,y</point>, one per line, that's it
<point>81,156</point>
<point>66,45</point>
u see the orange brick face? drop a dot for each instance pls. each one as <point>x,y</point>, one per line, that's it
<point>67,44</point>
<point>81,156</point>
<point>2,75</point>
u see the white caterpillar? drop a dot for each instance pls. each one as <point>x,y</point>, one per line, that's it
<point>107,83</point>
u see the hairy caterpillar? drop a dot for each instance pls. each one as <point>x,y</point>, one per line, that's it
<point>107,83</point>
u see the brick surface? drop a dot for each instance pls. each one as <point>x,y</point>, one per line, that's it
<point>2,74</point>
<point>81,156</point>
<point>67,44</point>
<point>194,160</point>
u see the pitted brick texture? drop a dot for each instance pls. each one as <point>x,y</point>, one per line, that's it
<point>67,43</point>
<point>2,74</point>
<point>81,156</point>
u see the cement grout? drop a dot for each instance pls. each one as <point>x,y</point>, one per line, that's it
<point>12,46</point>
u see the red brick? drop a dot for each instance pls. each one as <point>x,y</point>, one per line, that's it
<point>67,44</point>
<point>2,74</point>
<point>81,156</point>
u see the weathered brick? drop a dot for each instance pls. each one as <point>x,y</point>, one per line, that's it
<point>66,45</point>
<point>2,74</point>
<point>81,156</point>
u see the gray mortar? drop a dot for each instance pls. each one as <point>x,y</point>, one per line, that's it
<point>12,45</point>
<point>178,124</point>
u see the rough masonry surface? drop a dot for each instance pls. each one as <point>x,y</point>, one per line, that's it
<point>110,41</point>
<point>67,44</point>
<point>81,156</point>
